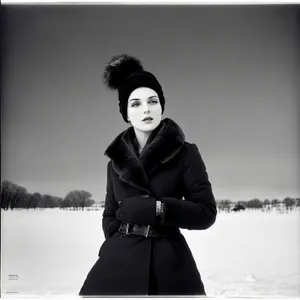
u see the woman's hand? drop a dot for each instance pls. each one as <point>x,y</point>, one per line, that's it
<point>140,209</point>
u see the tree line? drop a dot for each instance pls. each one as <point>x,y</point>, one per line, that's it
<point>285,205</point>
<point>14,196</point>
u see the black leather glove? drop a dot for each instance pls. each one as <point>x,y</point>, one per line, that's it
<point>140,209</point>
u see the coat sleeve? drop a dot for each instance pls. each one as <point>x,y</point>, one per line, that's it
<point>110,223</point>
<point>198,209</point>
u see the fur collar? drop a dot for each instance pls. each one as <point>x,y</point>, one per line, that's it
<point>163,144</point>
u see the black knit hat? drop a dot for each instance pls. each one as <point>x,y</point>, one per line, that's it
<point>125,73</point>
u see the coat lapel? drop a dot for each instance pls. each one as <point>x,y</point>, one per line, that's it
<point>126,163</point>
<point>163,144</point>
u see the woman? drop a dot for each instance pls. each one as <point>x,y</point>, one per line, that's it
<point>151,169</point>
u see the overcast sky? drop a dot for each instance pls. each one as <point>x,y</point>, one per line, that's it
<point>229,75</point>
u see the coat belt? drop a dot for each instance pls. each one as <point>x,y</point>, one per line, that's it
<point>146,230</point>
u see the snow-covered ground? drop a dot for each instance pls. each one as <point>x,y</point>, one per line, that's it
<point>248,253</point>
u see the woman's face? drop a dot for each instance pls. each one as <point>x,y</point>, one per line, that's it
<point>144,103</point>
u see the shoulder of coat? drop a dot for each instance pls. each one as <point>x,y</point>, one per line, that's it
<point>190,149</point>
<point>185,148</point>
<point>109,164</point>
<point>186,143</point>
<point>189,146</point>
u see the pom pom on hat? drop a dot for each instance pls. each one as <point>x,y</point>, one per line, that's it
<point>119,68</point>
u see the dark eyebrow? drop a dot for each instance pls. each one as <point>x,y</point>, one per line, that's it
<point>140,99</point>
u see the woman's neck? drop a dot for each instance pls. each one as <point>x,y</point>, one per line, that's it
<point>142,137</point>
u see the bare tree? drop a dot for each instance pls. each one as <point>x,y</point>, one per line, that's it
<point>267,205</point>
<point>224,205</point>
<point>78,199</point>
<point>288,202</point>
<point>297,200</point>
<point>255,204</point>
<point>11,195</point>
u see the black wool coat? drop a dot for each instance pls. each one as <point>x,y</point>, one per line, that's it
<point>171,170</point>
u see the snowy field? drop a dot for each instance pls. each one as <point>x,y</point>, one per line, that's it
<point>248,253</point>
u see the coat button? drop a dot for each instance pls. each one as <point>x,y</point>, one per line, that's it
<point>120,202</point>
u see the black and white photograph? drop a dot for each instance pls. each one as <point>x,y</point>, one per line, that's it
<point>150,150</point>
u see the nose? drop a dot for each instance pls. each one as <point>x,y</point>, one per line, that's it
<point>146,109</point>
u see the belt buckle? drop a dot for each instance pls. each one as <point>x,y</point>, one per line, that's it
<point>147,231</point>
<point>127,229</point>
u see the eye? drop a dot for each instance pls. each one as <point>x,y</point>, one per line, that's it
<point>154,101</point>
<point>135,104</point>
